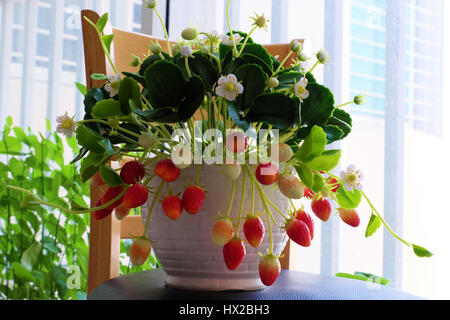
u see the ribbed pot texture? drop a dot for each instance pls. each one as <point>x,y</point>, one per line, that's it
<point>185,248</point>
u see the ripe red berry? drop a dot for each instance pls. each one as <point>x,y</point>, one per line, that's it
<point>308,193</point>
<point>193,198</point>
<point>222,232</point>
<point>166,170</point>
<point>266,174</point>
<point>135,196</point>
<point>132,172</point>
<point>254,231</point>
<point>97,180</point>
<point>139,251</point>
<point>112,193</point>
<point>298,232</point>
<point>234,253</point>
<point>350,217</point>
<point>269,269</point>
<point>172,207</point>
<point>122,212</point>
<point>101,214</point>
<point>237,142</point>
<point>306,218</point>
<point>321,208</point>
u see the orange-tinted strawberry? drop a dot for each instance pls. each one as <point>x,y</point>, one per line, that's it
<point>135,196</point>
<point>193,199</point>
<point>103,213</point>
<point>266,174</point>
<point>237,142</point>
<point>321,208</point>
<point>291,187</point>
<point>172,207</point>
<point>350,217</point>
<point>112,193</point>
<point>97,180</point>
<point>222,232</point>
<point>166,170</point>
<point>298,232</point>
<point>306,218</point>
<point>140,250</point>
<point>269,269</point>
<point>132,172</point>
<point>254,231</point>
<point>234,253</point>
<point>122,212</point>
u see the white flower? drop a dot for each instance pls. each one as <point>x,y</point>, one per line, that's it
<point>186,51</point>
<point>229,87</point>
<point>228,41</point>
<point>352,178</point>
<point>112,87</point>
<point>66,125</point>
<point>300,89</point>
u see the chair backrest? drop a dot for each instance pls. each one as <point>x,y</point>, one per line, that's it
<point>105,235</point>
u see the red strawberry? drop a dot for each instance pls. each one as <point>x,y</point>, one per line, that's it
<point>135,196</point>
<point>332,181</point>
<point>298,232</point>
<point>193,198</point>
<point>222,232</point>
<point>269,269</point>
<point>266,174</point>
<point>166,170</point>
<point>132,172</point>
<point>112,193</point>
<point>172,207</point>
<point>350,217</point>
<point>306,218</point>
<point>291,186</point>
<point>308,193</point>
<point>234,253</point>
<point>97,180</point>
<point>254,231</point>
<point>321,208</point>
<point>122,212</point>
<point>140,250</point>
<point>101,214</point>
<point>237,142</point>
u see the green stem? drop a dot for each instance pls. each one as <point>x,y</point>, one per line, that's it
<point>233,190</point>
<point>246,40</point>
<point>219,65</point>
<point>314,66</point>
<point>344,104</point>
<point>235,52</point>
<point>186,63</point>
<point>165,32</point>
<point>131,133</point>
<point>242,203</point>
<point>283,62</point>
<point>155,198</point>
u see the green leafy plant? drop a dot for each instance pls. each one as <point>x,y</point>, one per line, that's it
<point>364,276</point>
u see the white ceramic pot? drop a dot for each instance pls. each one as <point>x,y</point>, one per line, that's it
<point>185,248</point>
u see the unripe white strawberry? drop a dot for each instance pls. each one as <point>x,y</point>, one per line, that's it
<point>281,153</point>
<point>189,34</point>
<point>147,140</point>
<point>291,186</point>
<point>231,171</point>
<point>139,251</point>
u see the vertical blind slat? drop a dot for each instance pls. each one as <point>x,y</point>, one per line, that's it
<point>5,57</point>
<point>279,22</point>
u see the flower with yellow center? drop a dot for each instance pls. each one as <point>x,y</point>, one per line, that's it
<point>300,89</point>
<point>112,87</point>
<point>352,178</point>
<point>229,87</point>
<point>66,125</point>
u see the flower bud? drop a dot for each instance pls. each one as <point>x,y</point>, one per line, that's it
<point>156,48</point>
<point>204,50</point>
<point>273,82</point>
<point>302,56</point>
<point>296,46</point>
<point>136,61</point>
<point>359,99</point>
<point>186,51</point>
<point>189,34</point>
<point>151,4</point>
<point>176,47</point>
<point>323,56</point>
<point>147,140</point>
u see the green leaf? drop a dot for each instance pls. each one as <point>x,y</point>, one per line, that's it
<point>318,183</point>
<point>284,115</point>
<point>163,115</point>
<point>334,133</point>
<point>421,251</point>
<point>259,51</point>
<point>110,176</point>
<point>373,278</point>
<point>194,96</point>
<point>151,60</point>
<point>252,78</point>
<point>22,272</point>
<point>305,174</point>
<point>313,145</point>
<point>351,276</point>
<point>107,40</point>
<point>29,201</point>
<point>92,97</point>
<point>129,90</point>
<point>102,22</point>
<point>30,256</point>
<point>165,84</point>
<point>327,161</point>
<point>109,108</point>
<point>136,77</point>
<point>92,141</point>
<point>201,66</point>
<point>288,79</point>
<point>348,199</point>
<point>98,76</point>
<point>235,114</point>
<point>373,225</point>
<point>91,164</point>
<point>82,88</point>
<point>342,120</point>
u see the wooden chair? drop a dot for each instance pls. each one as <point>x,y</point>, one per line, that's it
<point>105,235</point>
